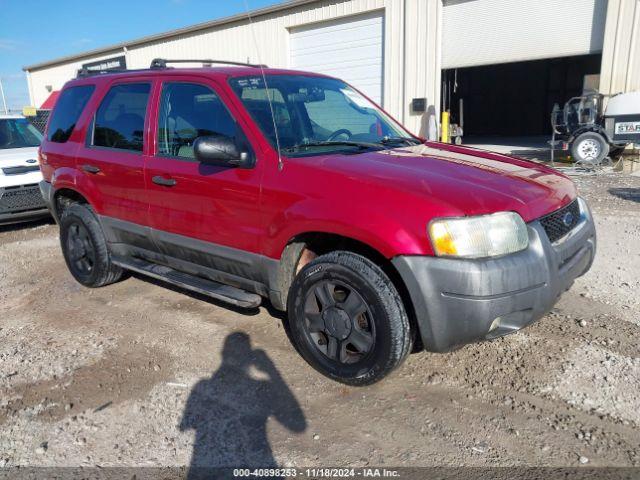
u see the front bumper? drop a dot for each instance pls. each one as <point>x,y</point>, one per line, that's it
<point>459,301</point>
<point>21,202</point>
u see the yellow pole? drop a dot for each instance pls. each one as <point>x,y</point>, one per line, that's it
<point>444,128</point>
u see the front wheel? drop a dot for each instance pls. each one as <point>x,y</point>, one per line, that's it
<point>590,148</point>
<point>347,319</point>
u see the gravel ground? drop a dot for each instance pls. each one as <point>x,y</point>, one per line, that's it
<point>138,374</point>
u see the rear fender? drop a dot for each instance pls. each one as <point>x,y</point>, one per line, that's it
<point>72,179</point>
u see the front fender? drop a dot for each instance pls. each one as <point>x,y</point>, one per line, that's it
<point>367,225</point>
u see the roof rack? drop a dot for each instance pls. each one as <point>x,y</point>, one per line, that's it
<point>162,63</point>
<point>85,72</point>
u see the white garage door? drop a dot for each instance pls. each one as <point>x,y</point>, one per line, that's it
<point>350,49</point>
<point>484,32</point>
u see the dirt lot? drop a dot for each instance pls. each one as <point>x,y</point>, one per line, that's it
<point>138,374</point>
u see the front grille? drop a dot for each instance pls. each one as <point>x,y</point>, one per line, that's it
<point>20,169</point>
<point>22,198</point>
<point>561,222</point>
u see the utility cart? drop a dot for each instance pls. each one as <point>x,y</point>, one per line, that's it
<point>593,132</point>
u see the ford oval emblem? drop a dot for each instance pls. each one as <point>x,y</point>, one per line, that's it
<point>32,160</point>
<point>567,219</point>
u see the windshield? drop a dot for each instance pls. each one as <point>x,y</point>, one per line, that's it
<point>314,113</point>
<point>18,133</point>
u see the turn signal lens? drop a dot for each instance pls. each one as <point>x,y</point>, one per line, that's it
<point>479,237</point>
<point>442,239</point>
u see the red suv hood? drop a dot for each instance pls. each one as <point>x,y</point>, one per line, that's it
<point>468,181</point>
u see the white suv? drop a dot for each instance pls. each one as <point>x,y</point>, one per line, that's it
<point>20,197</point>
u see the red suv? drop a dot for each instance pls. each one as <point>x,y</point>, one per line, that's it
<point>243,182</point>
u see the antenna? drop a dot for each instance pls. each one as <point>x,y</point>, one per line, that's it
<point>266,85</point>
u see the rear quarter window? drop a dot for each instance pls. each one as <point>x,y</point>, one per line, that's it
<point>67,111</point>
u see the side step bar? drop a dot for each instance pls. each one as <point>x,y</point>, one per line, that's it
<point>219,291</point>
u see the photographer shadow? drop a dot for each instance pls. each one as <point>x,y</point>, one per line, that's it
<point>229,411</point>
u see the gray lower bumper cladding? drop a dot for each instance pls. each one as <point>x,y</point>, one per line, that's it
<point>458,301</point>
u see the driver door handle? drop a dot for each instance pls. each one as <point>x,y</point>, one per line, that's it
<point>165,182</point>
<point>90,169</point>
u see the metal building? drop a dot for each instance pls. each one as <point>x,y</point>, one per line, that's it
<point>509,60</point>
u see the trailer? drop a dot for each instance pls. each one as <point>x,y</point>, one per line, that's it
<point>592,131</point>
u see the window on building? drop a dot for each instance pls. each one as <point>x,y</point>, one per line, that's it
<point>67,111</point>
<point>119,121</point>
<point>189,111</point>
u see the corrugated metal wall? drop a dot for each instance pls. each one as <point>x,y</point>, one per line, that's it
<point>621,52</point>
<point>423,19</point>
<point>411,63</point>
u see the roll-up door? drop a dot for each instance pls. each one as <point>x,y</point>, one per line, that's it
<point>485,32</point>
<point>349,48</point>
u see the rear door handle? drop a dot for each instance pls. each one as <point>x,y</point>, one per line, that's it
<point>167,182</point>
<point>90,169</point>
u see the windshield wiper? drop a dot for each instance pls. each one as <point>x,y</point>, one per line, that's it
<point>396,140</point>
<point>337,143</point>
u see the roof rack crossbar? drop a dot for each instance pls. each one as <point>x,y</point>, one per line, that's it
<point>162,63</point>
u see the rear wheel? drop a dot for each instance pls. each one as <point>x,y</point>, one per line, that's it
<point>84,247</point>
<point>590,148</point>
<point>347,319</point>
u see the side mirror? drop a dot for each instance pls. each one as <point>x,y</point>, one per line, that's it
<point>221,151</point>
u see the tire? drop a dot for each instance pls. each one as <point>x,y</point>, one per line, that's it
<point>589,148</point>
<point>340,298</point>
<point>84,247</point>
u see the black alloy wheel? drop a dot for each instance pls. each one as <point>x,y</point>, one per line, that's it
<point>85,247</point>
<point>82,253</point>
<point>338,322</point>
<point>347,319</point>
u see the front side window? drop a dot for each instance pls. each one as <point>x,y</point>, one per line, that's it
<point>18,133</point>
<point>67,111</point>
<point>309,114</point>
<point>119,121</point>
<point>189,111</point>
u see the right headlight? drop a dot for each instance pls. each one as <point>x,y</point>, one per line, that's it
<point>479,237</point>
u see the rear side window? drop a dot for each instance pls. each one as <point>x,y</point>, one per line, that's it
<point>119,121</point>
<point>67,111</point>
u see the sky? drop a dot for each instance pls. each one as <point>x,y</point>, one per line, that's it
<point>33,31</point>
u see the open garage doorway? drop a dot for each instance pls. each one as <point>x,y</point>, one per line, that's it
<point>511,103</point>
